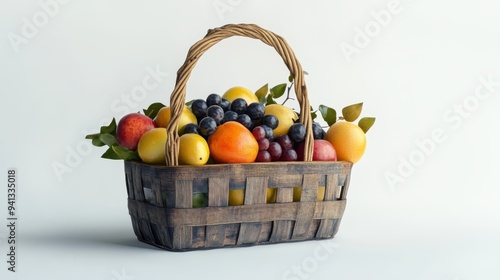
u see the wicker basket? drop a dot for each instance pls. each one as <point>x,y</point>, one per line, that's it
<point>160,198</point>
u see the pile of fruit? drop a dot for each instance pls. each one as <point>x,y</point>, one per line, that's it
<point>239,126</point>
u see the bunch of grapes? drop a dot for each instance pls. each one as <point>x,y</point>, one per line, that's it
<point>216,110</point>
<point>282,148</point>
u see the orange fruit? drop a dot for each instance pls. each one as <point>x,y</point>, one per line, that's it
<point>240,92</point>
<point>233,143</point>
<point>348,139</point>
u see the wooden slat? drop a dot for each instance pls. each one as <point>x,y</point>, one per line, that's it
<point>235,214</point>
<point>345,186</point>
<point>326,226</point>
<point>274,170</point>
<point>137,182</point>
<point>255,193</point>
<point>218,190</point>
<point>282,230</point>
<point>129,181</point>
<point>307,206</point>
<point>183,236</point>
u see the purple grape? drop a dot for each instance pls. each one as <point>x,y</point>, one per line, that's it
<point>191,128</point>
<point>269,132</point>
<point>199,108</point>
<point>318,132</point>
<point>289,155</point>
<point>275,150</point>
<point>239,105</point>
<point>229,116</point>
<point>216,112</point>
<point>285,142</point>
<point>297,132</point>
<point>255,110</point>
<point>225,104</point>
<point>263,156</point>
<point>245,120</point>
<point>207,126</point>
<point>214,99</point>
<point>263,144</point>
<point>270,120</point>
<point>259,133</point>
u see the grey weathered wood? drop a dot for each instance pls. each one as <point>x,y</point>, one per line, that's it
<point>137,181</point>
<point>282,230</point>
<point>307,205</point>
<point>255,193</point>
<point>326,226</point>
<point>172,227</point>
<point>182,236</point>
<point>176,217</point>
<point>218,191</point>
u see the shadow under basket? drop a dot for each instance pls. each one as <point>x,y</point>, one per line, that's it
<point>160,203</point>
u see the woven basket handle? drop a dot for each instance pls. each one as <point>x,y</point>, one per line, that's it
<point>178,96</point>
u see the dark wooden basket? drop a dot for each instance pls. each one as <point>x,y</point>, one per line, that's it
<point>160,198</point>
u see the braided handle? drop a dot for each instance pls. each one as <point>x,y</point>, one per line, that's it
<point>178,96</point>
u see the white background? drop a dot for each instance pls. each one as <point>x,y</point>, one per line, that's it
<point>76,69</point>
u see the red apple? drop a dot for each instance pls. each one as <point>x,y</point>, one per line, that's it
<point>130,129</point>
<point>323,151</point>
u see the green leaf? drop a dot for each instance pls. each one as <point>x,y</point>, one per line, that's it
<point>313,114</point>
<point>111,128</point>
<point>352,112</point>
<point>263,100</point>
<point>270,100</point>
<point>262,91</point>
<point>153,109</point>
<point>188,103</point>
<point>278,91</point>
<point>290,78</point>
<point>97,142</point>
<point>107,139</point>
<point>366,123</point>
<point>328,114</point>
<point>125,153</point>
<point>92,136</point>
<point>110,154</point>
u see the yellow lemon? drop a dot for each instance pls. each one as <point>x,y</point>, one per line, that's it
<point>163,118</point>
<point>285,115</point>
<point>151,147</point>
<point>240,92</point>
<point>348,139</point>
<point>193,150</point>
<point>236,197</point>
<point>271,195</point>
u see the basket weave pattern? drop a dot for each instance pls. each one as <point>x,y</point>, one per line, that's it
<point>160,198</point>
<point>173,224</point>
